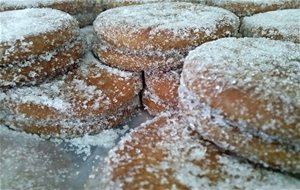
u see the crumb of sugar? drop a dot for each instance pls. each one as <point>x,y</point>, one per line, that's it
<point>83,145</point>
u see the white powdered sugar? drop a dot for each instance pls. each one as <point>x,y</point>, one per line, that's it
<point>165,154</point>
<point>280,24</point>
<point>258,148</point>
<point>115,3</point>
<point>90,59</point>
<point>83,145</point>
<point>29,162</point>
<point>250,7</point>
<point>267,70</point>
<point>18,4</point>
<point>17,25</point>
<point>46,94</point>
<point>177,20</point>
<point>89,37</point>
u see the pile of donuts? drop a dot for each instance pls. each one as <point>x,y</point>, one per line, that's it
<point>50,82</point>
<point>222,78</point>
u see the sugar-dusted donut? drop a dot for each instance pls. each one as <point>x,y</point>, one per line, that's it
<point>253,82</point>
<point>218,129</point>
<point>86,100</point>
<point>108,4</point>
<point>31,32</point>
<point>250,7</point>
<point>277,25</point>
<point>42,67</point>
<point>164,26</point>
<point>85,11</point>
<point>153,104</point>
<point>164,85</point>
<point>139,60</point>
<point>165,154</point>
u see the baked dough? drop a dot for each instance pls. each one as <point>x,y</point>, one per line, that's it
<point>219,130</point>
<point>87,100</point>
<point>137,60</point>
<point>165,153</point>
<point>85,11</point>
<point>164,85</point>
<point>249,88</point>
<point>250,7</point>
<point>31,32</point>
<point>153,104</point>
<point>254,82</point>
<point>164,26</point>
<point>43,67</point>
<point>277,25</point>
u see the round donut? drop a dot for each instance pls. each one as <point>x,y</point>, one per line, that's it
<point>138,60</point>
<point>153,104</point>
<point>164,85</point>
<point>85,11</point>
<point>31,32</point>
<point>43,67</point>
<point>173,26</point>
<point>86,100</point>
<point>253,82</point>
<point>250,7</point>
<point>277,25</point>
<point>216,128</point>
<point>165,154</point>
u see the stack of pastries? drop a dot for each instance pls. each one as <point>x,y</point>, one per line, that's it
<point>224,86</point>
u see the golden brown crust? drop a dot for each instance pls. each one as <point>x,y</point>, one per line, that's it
<point>153,104</point>
<point>138,61</point>
<point>85,11</point>
<point>277,25</point>
<point>120,116</point>
<point>165,154</point>
<point>164,85</point>
<point>40,68</point>
<point>272,155</point>
<point>249,8</point>
<point>259,149</point>
<point>88,94</point>
<point>28,45</point>
<point>253,82</point>
<point>121,29</point>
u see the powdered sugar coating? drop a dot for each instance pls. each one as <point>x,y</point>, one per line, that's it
<point>153,104</point>
<point>17,25</point>
<point>84,96</point>
<point>164,25</point>
<point>139,60</point>
<point>30,162</point>
<point>250,7</point>
<point>30,32</point>
<point>19,4</point>
<point>258,148</point>
<point>165,154</point>
<point>85,11</point>
<point>265,73</point>
<point>164,85</point>
<point>43,67</point>
<point>116,3</point>
<point>278,25</point>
